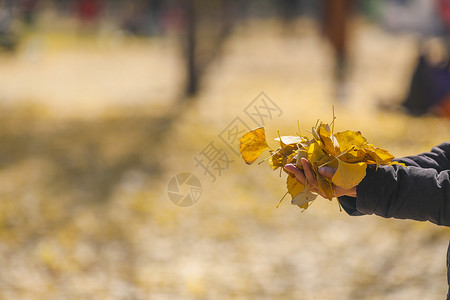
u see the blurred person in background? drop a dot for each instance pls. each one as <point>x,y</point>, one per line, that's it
<point>429,89</point>
<point>88,13</point>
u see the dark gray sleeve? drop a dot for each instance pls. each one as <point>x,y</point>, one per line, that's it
<point>438,158</point>
<point>420,191</point>
<point>405,193</point>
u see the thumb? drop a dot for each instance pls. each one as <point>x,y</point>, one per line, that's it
<point>327,172</point>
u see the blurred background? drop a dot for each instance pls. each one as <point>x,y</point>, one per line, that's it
<point>106,105</point>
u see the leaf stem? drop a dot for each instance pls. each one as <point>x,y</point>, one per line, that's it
<point>332,122</point>
<point>282,199</point>
<point>276,152</point>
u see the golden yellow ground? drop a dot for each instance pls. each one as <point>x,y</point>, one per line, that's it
<point>87,150</point>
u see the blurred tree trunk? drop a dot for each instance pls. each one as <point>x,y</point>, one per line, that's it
<point>207,26</point>
<point>192,70</point>
<point>8,38</point>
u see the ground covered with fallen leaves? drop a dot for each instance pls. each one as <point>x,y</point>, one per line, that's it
<point>86,156</point>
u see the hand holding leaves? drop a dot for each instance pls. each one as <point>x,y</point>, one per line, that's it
<point>329,164</point>
<point>306,178</point>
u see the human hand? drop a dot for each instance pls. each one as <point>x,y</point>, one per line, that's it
<point>306,177</point>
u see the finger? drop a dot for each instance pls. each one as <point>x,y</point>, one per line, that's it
<point>311,180</point>
<point>297,172</point>
<point>327,172</point>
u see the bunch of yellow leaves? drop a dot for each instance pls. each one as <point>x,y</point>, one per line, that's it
<point>347,151</point>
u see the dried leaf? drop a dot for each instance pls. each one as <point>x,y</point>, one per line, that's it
<point>294,187</point>
<point>289,149</point>
<point>301,154</point>
<point>347,151</point>
<point>302,199</point>
<point>288,140</point>
<point>350,139</point>
<point>276,160</point>
<point>353,156</point>
<point>349,175</point>
<point>330,143</point>
<point>396,163</point>
<point>315,134</point>
<point>325,187</point>
<point>292,158</point>
<point>252,144</point>
<point>380,156</point>
<point>315,153</point>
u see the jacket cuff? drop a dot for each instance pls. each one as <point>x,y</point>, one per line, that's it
<point>349,205</point>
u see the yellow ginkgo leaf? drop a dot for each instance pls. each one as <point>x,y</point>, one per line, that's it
<point>325,187</point>
<point>380,156</point>
<point>288,140</point>
<point>352,155</point>
<point>396,163</point>
<point>315,153</point>
<point>349,175</point>
<point>315,134</point>
<point>348,152</point>
<point>276,159</point>
<point>294,187</point>
<point>283,156</point>
<point>289,149</point>
<point>302,199</point>
<point>301,154</point>
<point>332,163</point>
<point>292,158</point>
<point>252,144</point>
<point>350,139</point>
<point>330,143</point>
